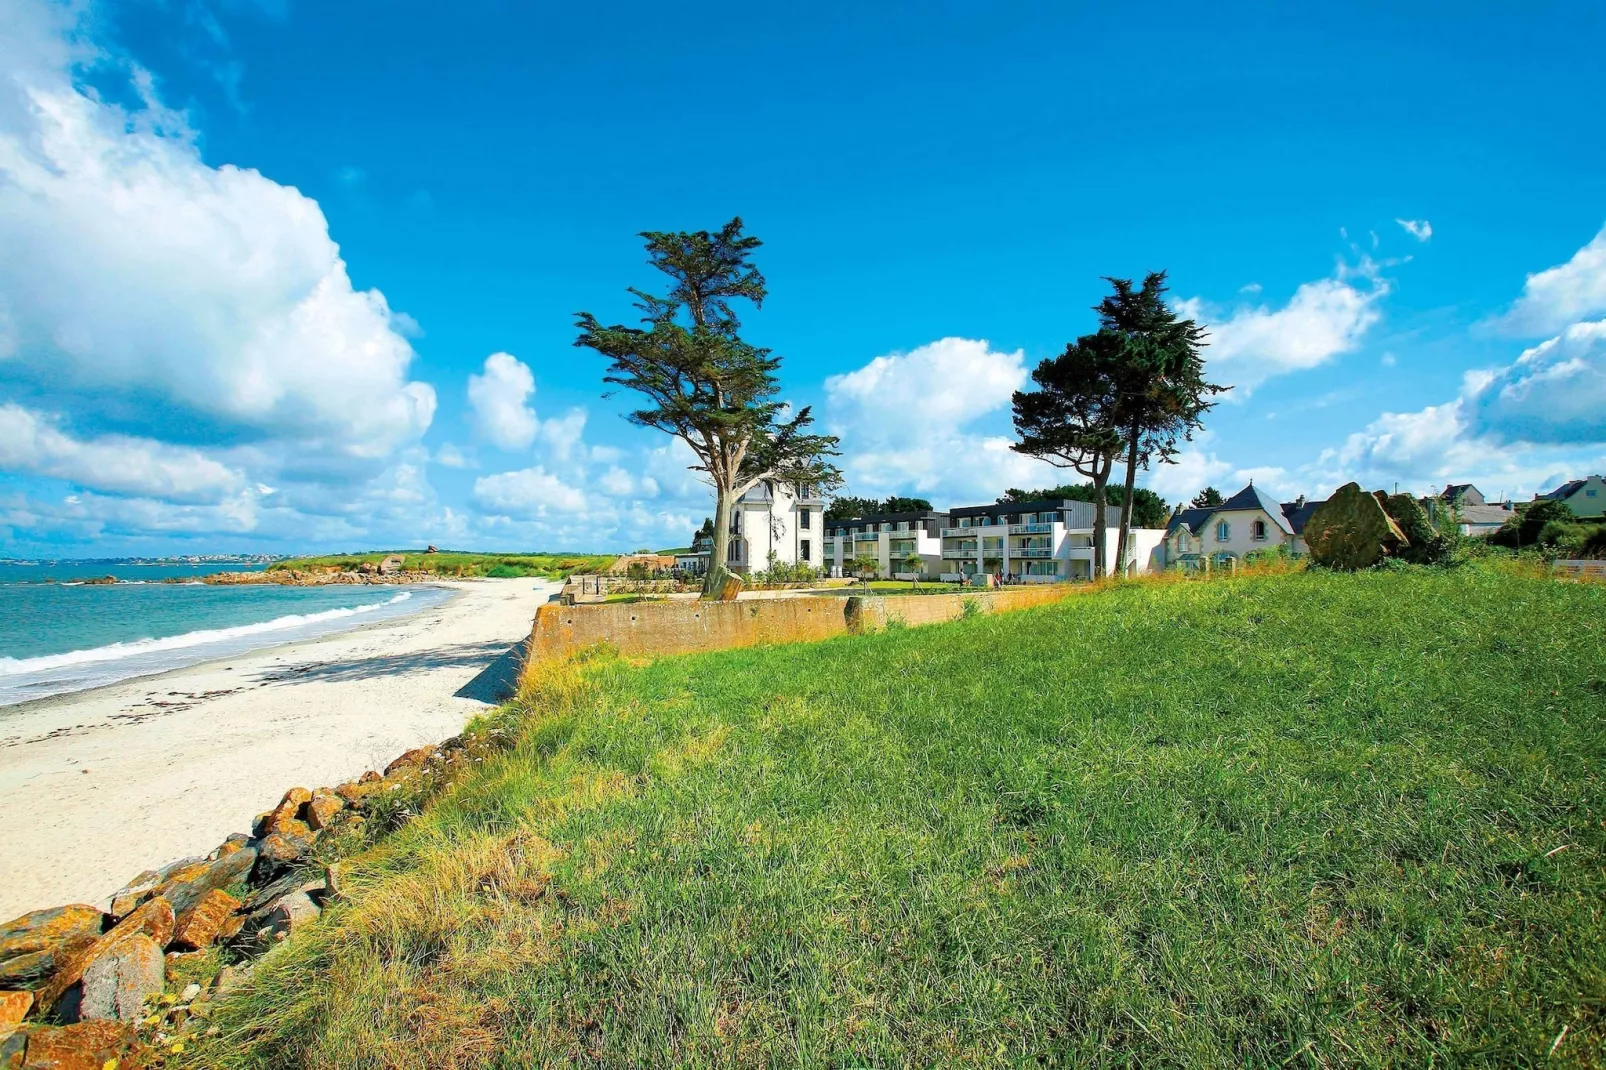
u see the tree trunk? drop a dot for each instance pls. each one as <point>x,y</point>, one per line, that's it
<point>714,579</point>
<point>1126,502</point>
<point>1100,503</point>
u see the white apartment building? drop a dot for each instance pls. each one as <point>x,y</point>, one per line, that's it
<point>786,519</point>
<point>1039,542</point>
<point>889,538</point>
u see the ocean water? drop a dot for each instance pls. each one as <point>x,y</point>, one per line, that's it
<point>65,635</point>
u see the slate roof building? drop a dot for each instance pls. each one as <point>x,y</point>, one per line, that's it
<point>1585,497</point>
<point>1248,522</point>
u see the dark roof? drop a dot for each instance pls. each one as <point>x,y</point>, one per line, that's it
<point>1193,518</point>
<point>1042,506</point>
<point>1299,515</point>
<point>887,518</point>
<point>1566,490</point>
<point>1454,491</point>
<point>1290,516</point>
<point>1252,497</point>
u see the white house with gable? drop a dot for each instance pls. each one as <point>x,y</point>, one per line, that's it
<point>1242,524</point>
<point>784,519</point>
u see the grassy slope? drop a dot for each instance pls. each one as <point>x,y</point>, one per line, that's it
<point>1301,820</point>
<point>453,563</point>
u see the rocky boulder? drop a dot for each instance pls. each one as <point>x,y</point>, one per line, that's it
<point>208,920</point>
<point>36,945</point>
<point>85,1046</point>
<point>153,919</point>
<point>118,984</point>
<point>413,759</point>
<point>322,808</point>
<point>1351,531</point>
<point>286,916</point>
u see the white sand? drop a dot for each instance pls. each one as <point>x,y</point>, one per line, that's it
<point>97,786</point>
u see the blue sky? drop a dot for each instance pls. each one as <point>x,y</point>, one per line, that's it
<point>287,276</point>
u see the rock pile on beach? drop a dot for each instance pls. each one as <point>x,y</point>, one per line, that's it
<point>86,987</point>
<point>295,577</point>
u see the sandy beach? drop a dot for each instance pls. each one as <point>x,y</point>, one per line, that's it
<point>99,785</point>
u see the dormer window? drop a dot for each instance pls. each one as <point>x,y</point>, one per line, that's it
<point>1223,531</point>
<point>1257,531</point>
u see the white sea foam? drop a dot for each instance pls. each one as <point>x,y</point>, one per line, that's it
<point>25,679</point>
<point>119,651</point>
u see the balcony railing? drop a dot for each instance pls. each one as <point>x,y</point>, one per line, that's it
<point>959,553</point>
<point>866,536</point>
<point>1030,529</point>
<point>1030,551</point>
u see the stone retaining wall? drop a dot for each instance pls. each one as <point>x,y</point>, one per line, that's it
<point>654,629</point>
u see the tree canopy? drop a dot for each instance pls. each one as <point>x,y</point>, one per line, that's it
<point>1207,498</point>
<point>1074,419</point>
<point>1161,383</point>
<point>847,507</point>
<point>703,383</point>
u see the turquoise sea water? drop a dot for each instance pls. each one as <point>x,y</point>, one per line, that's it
<point>67,636</point>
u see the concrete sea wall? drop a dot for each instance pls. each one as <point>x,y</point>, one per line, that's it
<point>655,629</point>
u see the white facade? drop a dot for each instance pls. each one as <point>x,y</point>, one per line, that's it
<point>1039,542</point>
<point>783,519</point>
<point>889,539</point>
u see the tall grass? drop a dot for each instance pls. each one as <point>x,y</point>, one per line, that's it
<point>1293,819</point>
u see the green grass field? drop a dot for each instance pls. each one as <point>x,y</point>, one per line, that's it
<point>1291,820</point>
<point>454,564</point>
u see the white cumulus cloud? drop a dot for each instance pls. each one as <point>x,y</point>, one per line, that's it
<point>1554,392</point>
<point>1559,296</point>
<point>198,319</point>
<point>117,463</point>
<point>498,401</point>
<point>1323,320</point>
<point>906,423</point>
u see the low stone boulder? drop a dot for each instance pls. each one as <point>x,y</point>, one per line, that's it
<point>218,874</point>
<point>280,850</point>
<point>36,945</point>
<point>153,919</point>
<point>118,984</point>
<point>207,921</point>
<point>413,759</point>
<point>85,1046</point>
<point>322,808</point>
<point>287,915</point>
<point>1351,530</point>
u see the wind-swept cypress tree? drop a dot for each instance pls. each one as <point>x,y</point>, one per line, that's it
<point>704,384</point>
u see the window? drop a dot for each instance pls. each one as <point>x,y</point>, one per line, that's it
<point>1590,493</point>
<point>1257,531</point>
<point>805,550</point>
<point>1223,531</point>
<point>803,518</point>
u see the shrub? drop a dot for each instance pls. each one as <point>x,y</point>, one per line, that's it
<point>1526,527</point>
